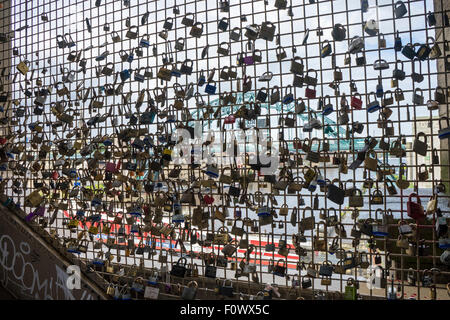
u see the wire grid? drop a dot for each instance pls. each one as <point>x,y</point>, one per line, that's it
<point>38,44</point>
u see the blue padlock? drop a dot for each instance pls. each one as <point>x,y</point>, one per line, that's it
<point>373,105</point>
<point>210,89</point>
<point>108,142</point>
<point>201,79</point>
<point>175,72</point>
<point>96,202</point>
<point>80,213</point>
<point>134,228</point>
<point>145,41</point>
<point>289,97</point>
<point>380,91</point>
<point>328,108</point>
<point>312,186</point>
<point>131,56</point>
<point>178,218</point>
<point>212,171</point>
<point>125,75</point>
<point>98,261</point>
<point>321,181</point>
<point>263,211</point>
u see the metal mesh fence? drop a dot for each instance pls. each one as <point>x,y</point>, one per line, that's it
<point>342,93</point>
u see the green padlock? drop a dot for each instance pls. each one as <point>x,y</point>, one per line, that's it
<point>350,290</point>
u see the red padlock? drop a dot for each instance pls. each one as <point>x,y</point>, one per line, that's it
<point>356,102</point>
<point>230,119</point>
<point>310,93</point>
<point>3,140</point>
<point>111,167</point>
<point>415,209</point>
<point>297,143</point>
<point>55,175</point>
<point>208,199</point>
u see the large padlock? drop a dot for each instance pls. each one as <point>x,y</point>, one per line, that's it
<point>280,269</point>
<point>356,45</point>
<point>281,4</point>
<point>223,50</point>
<point>408,51</point>
<point>267,31</point>
<point>188,19</point>
<point>23,67</point>
<point>190,291</point>
<point>132,32</point>
<point>186,67</point>
<point>415,209</point>
<point>400,9</point>
<point>235,34</point>
<point>197,30</point>
<point>223,24</point>
<point>168,23</point>
<point>335,193</point>
<point>420,147</point>
<point>338,33</point>
<point>350,290</point>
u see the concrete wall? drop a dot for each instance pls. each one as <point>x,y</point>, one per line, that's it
<point>442,35</point>
<point>32,269</point>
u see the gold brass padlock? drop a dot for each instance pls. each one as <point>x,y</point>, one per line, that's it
<point>23,67</point>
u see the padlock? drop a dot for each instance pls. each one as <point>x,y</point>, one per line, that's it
<point>280,53</point>
<point>431,18</point>
<point>223,24</point>
<point>186,67</point>
<point>222,50</point>
<point>297,67</point>
<point>289,97</point>
<point>168,23</point>
<point>356,101</point>
<point>381,41</point>
<point>188,19</point>
<point>235,34</point>
<point>210,87</point>
<point>398,73</point>
<point>23,67</point>
<point>360,61</point>
<point>280,269</point>
<point>267,31</point>
<point>350,290</point>
<point>338,33</point>
<point>400,9</point>
<point>418,99</point>
<point>423,52</point>
<point>415,209</point>
<point>408,51</point>
<point>197,30</point>
<point>328,106</point>
<point>444,130</point>
<point>326,49</point>
<point>435,49</point>
<point>356,45</point>
<point>420,147</point>
<point>190,291</point>
<point>226,290</point>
